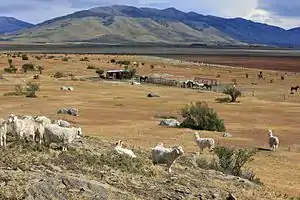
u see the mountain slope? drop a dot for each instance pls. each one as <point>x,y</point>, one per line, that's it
<point>10,24</point>
<point>127,24</point>
<point>295,30</point>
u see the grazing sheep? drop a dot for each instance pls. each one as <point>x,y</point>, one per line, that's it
<point>273,141</point>
<point>135,83</point>
<point>122,150</point>
<point>23,128</point>
<point>62,123</point>
<point>204,142</point>
<point>56,134</point>
<point>162,155</point>
<point>43,120</point>
<point>3,132</point>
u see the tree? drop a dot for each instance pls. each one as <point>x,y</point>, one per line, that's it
<point>31,89</point>
<point>233,93</point>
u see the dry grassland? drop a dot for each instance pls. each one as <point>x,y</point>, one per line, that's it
<point>115,111</point>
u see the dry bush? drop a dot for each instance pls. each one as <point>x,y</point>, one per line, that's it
<point>199,116</point>
<point>233,92</point>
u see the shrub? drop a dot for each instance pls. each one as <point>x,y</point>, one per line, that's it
<point>25,57</point>
<point>232,160</point>
<point>58,75</point>
<point>31,89</point>
<point>218,76</point>
<point>10,62</point>
<point>124,62</point>
<point>28,67</point>
<point>40,68</point>
<point>19,91</point>
<point>91,67</point>
<point>247,75</point>
<point>233,93</point>
<point>234,81</point>
<point>113,61</point>
<point>99,72</point>
<point>84,59</point>
<point>10,69</point>
<point>38,57</point>
<point>199,116</point>
<point>65,59</point>
<point>132,73</point>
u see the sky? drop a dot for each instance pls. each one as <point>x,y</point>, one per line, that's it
<point>283,13</point>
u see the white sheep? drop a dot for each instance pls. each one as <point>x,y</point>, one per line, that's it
<point>23,128</point>
<point>62,123</point>
<point>273,141</point>
<point>135,83</point>
<point>56,134</point>
<point>204,142</point>
<point>43,120</point>
<point>162,155</point>
<point>3,132</point>
<point>122,150</point>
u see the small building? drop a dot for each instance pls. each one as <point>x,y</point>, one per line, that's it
<point>117,74</point>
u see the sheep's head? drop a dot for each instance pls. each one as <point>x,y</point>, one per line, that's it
<point>119,143</point>
<point>12,118</point>
<point>270,133</point>
<point>79,132</point>
<point>179,150</point>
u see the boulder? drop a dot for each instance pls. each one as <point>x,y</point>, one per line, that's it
<point>152,95</point>
<point>169,123</point>
<point>228,135</point>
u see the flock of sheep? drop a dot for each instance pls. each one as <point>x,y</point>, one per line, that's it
<point>168,156</point>
<point>42,130</point>
<point>39,129</point>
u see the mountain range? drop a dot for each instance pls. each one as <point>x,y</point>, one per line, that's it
<point>128,25</point>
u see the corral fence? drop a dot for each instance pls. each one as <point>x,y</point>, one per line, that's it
<point>216,85</point>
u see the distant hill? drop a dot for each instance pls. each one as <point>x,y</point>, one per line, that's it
<point>127,24</point>
<point>10,24</point>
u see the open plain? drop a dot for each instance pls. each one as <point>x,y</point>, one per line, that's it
<point>118,110</point>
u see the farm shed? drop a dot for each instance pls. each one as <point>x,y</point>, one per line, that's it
<point>117,74</point>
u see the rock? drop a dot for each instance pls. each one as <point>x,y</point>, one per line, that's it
<point>231,197</point>
<point>89,188</point>
<point>169,122</point>
<point>44,190</point>
<point>69,111</point>
<point>152,95</point>
<point>228,135</point>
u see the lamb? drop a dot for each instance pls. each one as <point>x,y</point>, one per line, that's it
<point>162,155</point>
<point>204,142</point>
<point>62,123</point>
<point>273,141</point>
<point>122,150</point>
<point>22,127</point>
<point>56,134</point>
<point>3,132</point>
